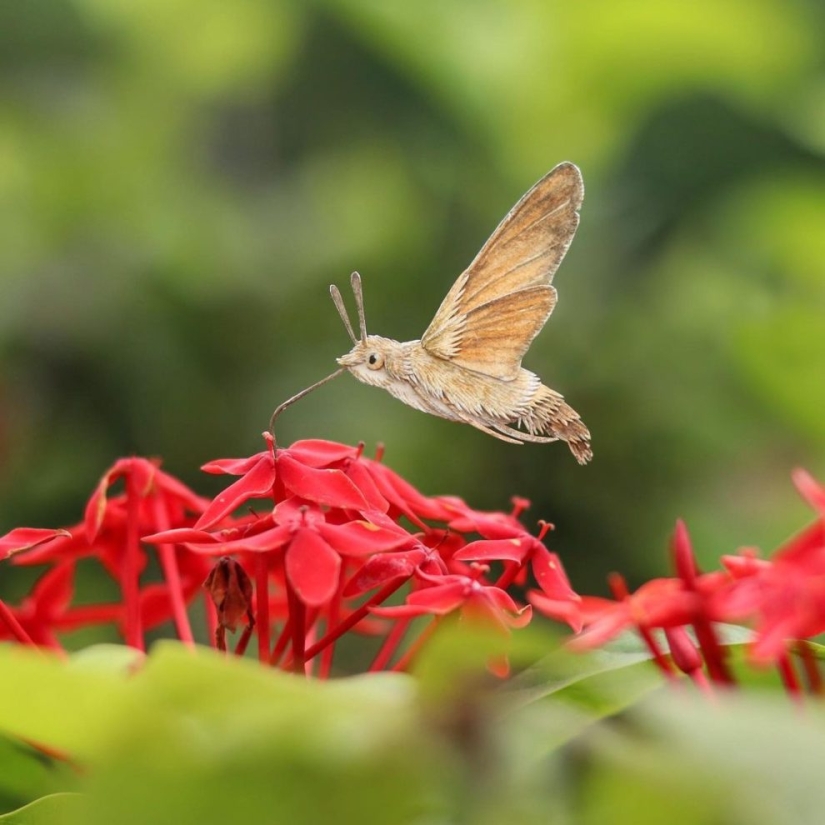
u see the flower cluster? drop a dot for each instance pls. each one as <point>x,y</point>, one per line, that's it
<point>782,598</point>
<point>315,541</point>
<point>309,542</point>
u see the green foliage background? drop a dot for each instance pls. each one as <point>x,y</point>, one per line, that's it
<point>180,180</point>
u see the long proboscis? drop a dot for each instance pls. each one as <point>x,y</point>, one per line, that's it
<point>290,401</point>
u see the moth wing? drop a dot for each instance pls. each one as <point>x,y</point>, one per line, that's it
<point>482,311</point>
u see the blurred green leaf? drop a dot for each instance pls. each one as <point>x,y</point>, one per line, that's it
<point>50,810</point>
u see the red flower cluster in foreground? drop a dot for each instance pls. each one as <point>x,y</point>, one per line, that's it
<point>310,542</point>
<point>327,537</point>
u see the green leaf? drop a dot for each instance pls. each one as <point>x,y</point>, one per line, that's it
<point>48,810</point>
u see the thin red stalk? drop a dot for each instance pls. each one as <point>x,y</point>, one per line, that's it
<point>359,613</point>
<point>410,653</point>
<point>15,628</point>
<point>662,662</point>
<point>211,614</point>
<point>712,652</point>
<point>685,655</point>
<point>171,572</point>
<point>511,570</point>
<point>129,581</point>
<point>281,642</point>
<point>328,653</point>
<point>297,612</point>
<point>240,648</point>
<point>811,666</point>
<point>618,587</point>
<point>685,563</point>
<point>789,677</point>
<point>702,682</point>
<point>262,605</point>
<point>390,645</point>
<point>311,616</point>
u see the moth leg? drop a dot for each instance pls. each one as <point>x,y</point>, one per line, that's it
<point>499,436</point>
<point>533,439</point>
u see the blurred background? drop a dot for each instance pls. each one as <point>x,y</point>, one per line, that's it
<point>181,180</point>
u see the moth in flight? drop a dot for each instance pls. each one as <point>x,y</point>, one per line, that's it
<point>467,365</point>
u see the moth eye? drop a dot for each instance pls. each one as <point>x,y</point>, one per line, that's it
<point>375,361</point>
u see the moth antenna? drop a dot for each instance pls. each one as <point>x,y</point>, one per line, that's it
<point>335,294</point>
<point>358,292</point>
<point>290,401</point>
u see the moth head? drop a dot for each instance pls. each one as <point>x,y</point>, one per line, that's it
<point>368,357</point>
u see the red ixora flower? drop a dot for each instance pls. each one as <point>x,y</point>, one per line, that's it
<point>307,544</point>
<point>152,500</point>
<point>782,597</point>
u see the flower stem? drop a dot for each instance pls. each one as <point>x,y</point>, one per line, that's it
<point>390,645</point>
<point>789,677</point>
<point>359,613</point>
<point>809,662</point>
<point>171,572</point>
<point>410,653</point>
<point>15,628</point>
<point>262,605</point>
<point>297,613</point>
<point>130,580</point>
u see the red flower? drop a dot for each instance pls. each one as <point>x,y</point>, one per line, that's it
<point>473,598</point>
<point>47,610</point>
<point>658,603</point>
<point>303,471</point>
<point>520,548</point>
<point>22,539</point>
<point>785,596</point>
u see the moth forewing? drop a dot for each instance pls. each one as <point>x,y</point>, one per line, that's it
<point>524,252</point>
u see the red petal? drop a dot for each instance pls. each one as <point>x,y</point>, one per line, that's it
<point>683,559</point>
<point>609,625</point>
<point>54,590</point>
<point>560,610</point>
<point>266,541</point>
<point>799,549</point>
<point>141,469</point>
<point>440,599</point>
<point>500,599</point>
<point>381,570</point>
<point>360,538</point>
<point>315,452</point>
<point>177,490</point>
<point>810,489</point>
<point>329,487</point>
<point>403,496</point>
<point>180,535</point>
<point>550,575</point>
<point>514,549</point>
<point>257,483</point>
<point>233,466</point>
<point>312,568</point>
<point>360,476</point>
<point>494,526</point>
<point>24,538</point>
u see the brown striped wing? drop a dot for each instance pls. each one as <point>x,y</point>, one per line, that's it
<point>499,303</point>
